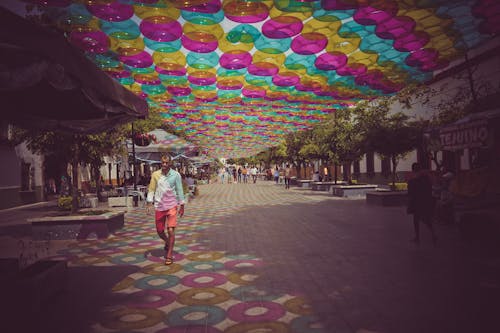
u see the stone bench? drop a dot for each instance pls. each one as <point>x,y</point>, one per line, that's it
<point>325,186</point>
<point>76,226</point>
<point>387,198</point>
<point>349,191</point>
<point>304,183</point>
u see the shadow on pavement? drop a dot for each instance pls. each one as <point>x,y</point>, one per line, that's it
<point>74,309</point>
<point>355,263</point>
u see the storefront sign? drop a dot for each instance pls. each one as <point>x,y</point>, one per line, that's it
<point>474,134</point>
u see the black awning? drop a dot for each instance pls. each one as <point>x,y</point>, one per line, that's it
<point>45,83</point>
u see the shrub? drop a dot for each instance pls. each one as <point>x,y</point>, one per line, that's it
<point>400,186</point>
<point>64,202</point>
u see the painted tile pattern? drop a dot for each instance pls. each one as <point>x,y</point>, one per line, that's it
<point>204,290</point>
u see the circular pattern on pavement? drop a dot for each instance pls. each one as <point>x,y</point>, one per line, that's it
<point>298,305</point>
<point>241,278</point>
<point>205,266</point>
<point>204,279</point>
<point>157,282</point>
<point>251,293</point>
<point>255,312</point>
<point>205,256</point>
<point>203,296</point>
<point>128,259</point>
<point>196,315</point>
<point>276,327</point>
<point>155,269</point>
<point>243,263</point>
<point>131,318</point>
<point>151,298</point>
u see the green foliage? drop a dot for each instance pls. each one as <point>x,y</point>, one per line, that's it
<point>294,142</point>
<point>273,155</point>
<point>64,202</point>
<point>400,186</point>
<point>390,135</point>
<point>152,122</point>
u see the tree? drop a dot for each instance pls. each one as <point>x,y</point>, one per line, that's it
<point>273,155</point>
<point>349,140</point>
<point>75,149</point>
<point>95,147</point>
<point>392,136</point>
<point>294,141</point>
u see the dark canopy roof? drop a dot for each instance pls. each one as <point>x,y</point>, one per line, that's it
<point>45,83</point>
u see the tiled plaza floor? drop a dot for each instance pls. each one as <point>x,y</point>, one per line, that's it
<point>258,258</point>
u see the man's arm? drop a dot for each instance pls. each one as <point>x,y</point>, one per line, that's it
<point>180,194</point>
<point>151,193</point>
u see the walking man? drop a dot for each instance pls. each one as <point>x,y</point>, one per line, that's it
<point>420,201</point>
<point>253,172</point>
<point>288,172</point>
<point>166,194</point>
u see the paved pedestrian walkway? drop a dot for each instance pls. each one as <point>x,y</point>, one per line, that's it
<point>259,258</point>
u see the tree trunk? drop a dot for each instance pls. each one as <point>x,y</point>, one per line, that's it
<point>335,171</point>
<point>297,168</point>
<point>74,176</point>
<point>98,185</point>
<point>394,166</point>
<point>109,173</point>
<point>74,187</point>
<point>347,166</point>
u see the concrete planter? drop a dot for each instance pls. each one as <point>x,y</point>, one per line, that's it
<point>325,186</point>
<point>387,198</point>
<point>349,191</point>
<point>76,227</point>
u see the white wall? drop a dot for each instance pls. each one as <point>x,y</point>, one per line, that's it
<point>35,160</point>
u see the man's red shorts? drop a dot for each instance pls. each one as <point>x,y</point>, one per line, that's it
<point>168,216</point>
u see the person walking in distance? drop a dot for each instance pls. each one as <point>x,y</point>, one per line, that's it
<point>420,201</point>
<point>288,172</point>
<point>166,194</point>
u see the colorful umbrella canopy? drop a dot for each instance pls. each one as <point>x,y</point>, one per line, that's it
<point>238,75</point>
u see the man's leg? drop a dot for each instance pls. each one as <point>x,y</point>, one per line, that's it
<point>171,242</point>
<point>171,224</point>
<point>160,218</point>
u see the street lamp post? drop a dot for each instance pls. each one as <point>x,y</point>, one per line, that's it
<point>135,197</point>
